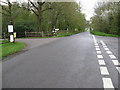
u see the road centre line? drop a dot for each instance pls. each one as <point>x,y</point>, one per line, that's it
<point>99,56</point>
<point>112,56</point>
<point>101,62</point>
<point>118,68</point>
<point>97,48</point>
<point>102,43</point>
<point>98,52</point>
<point>107,83</point>
<point>108,52</point>
<point>115,62</point>
<point>105,46</point>
<point>106,49</point>
<point>104,71</point>
<point>96,44</point>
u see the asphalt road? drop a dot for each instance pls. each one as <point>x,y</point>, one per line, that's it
<point>69,62</point>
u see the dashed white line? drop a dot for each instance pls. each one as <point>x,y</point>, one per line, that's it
<point>96,44</point>
<point>97,48</point>
<point>102,43</point>
<point>108,52</point>
<point>98,52</point>
<point>118,68</point>
<point>99,56</point>
<point>106,49</point>
<point>107,83</point>
<point>112,56</point>
<point>101,62</point>
<point>104,71</point>
<point>115,62</point>
<point>105,46</point>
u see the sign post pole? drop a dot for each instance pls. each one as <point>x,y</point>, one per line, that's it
<point>10,31</point>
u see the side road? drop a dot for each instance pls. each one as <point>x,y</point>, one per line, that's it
<point>33,43</point>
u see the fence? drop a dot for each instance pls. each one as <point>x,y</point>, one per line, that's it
<point>36,34</point>
<point>28,34</point>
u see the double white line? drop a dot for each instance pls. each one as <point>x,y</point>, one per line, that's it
<point>111,55</point>
<point>107,82</point>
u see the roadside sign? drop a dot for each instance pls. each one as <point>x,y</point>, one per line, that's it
<point>56,29</point>
<point>11,38</point>
<point>14,34</point>
<point>10,28</point>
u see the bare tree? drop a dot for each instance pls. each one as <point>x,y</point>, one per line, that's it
<point>37,9</point>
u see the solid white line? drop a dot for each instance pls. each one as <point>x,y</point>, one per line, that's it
<point>99,56</point>
<point>108,52</point>
<point>118,68</point>
<point>97,48</point>
<point>104,71</point>
<point>115,62</point>
<point>101,62</point>
<point>106,49</point>
<point>107,83</point>
<point>98,52</point>
<point>112,57</point>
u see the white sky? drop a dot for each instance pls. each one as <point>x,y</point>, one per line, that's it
<point>87,6</point>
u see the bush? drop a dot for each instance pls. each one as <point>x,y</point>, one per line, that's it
<point>21,27</point>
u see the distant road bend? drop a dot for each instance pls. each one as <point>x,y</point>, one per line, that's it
<point>78,61</point>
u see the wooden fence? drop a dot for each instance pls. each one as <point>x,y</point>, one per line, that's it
<point>34,34</point>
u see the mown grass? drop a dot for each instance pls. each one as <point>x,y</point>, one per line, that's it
<point>103,34</point>
<point>10,48</point>
<point>3,41</point>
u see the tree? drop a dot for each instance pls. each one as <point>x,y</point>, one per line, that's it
<point>37,9</point>
<point>106,17</point>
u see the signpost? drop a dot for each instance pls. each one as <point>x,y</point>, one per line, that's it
<point>10,28</point>
<point>12,35</point>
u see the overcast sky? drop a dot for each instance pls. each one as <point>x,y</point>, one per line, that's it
<point>87,6</point>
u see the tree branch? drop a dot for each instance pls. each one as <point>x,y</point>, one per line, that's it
<point>46,9</point>
<point>33,4</point>
<point>34,12</point>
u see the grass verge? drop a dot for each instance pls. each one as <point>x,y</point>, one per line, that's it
<point>10,48</point>
<point>103,34</point>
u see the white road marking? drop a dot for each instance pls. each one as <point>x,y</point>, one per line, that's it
<point>107,83</point>
<point>99,56</point>
<point>105,46</point>
<point>101,62</point>
<point>118,68</point>
<point>97,48</point>
<point>102,43</point>
<point>98,52</point>
<point>106,49</point>
<point>104,71</point>
<point>96,44</point>
<point>112,57</point>
<point>115,62</point>
<point>108,52</point>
